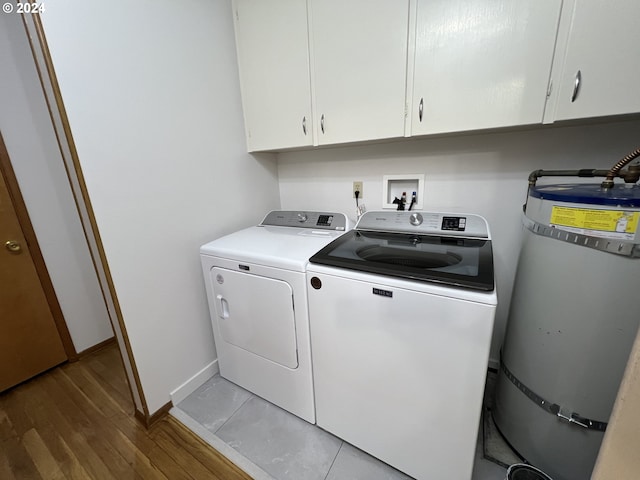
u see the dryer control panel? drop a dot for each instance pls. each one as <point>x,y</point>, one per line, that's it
<point>304,219</point>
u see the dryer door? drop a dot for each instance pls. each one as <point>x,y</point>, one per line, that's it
<point>256,314</point>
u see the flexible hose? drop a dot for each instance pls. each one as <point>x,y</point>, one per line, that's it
<point>611,174</point>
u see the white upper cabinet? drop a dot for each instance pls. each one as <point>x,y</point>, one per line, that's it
<point>323,72</point>
<point>273,60</point>
<point>481,63</point>
<point>597,69</point>
<point>359,67</point>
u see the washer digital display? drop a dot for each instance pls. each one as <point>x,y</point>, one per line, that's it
<point>325,220</point>
<point>454,223</point>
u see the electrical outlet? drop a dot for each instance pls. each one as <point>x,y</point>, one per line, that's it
<point>357,186</point>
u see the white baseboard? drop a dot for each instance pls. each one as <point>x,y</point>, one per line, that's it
<point>191,385</point>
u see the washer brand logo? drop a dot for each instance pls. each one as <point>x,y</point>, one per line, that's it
<point>383,293</point>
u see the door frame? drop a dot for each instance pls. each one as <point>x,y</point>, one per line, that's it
<point>6,170</point>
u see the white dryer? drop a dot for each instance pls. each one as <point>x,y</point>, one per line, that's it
<point>256,288</point>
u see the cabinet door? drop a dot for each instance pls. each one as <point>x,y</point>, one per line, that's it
<point>273,60</point>
<point>603,48</point>
<point>359,51</point>
<point>481,63</point>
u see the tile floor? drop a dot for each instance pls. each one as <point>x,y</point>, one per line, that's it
<point>272,444</point>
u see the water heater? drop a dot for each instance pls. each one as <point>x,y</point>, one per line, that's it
<point>572,322</point>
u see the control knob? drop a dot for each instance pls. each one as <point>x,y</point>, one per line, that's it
<point>415,219</point>
<point>302,217</point>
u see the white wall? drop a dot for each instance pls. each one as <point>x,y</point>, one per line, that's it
<point>152,94</point>
<point>477,173</point>
<point>35,157</point>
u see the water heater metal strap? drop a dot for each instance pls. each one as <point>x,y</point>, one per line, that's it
<point>627,249</point>
<point>553,408</point>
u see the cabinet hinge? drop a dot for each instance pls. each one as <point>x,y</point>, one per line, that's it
<point>550,88</point>
<point>237,15</point>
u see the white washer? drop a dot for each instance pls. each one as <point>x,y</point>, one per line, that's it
<point>256,288</point>
<point>401,314</point>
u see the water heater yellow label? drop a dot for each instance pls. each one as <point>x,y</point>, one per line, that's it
<point>606,223</point>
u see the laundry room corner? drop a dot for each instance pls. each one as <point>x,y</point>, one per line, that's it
<point>320,240</point>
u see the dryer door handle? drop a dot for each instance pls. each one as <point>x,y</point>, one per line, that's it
<point>224,307</point>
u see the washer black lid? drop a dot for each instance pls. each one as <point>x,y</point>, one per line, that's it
<point>452,261</point>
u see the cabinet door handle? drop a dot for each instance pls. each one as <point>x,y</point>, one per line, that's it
<point>322,123</point>
<point>576,86</point>
<point>420,109</point>
<point>304,125</point>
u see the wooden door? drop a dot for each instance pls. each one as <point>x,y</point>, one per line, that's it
<point>30,342</point>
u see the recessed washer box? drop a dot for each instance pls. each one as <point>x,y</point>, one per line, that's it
<point>394,185</point>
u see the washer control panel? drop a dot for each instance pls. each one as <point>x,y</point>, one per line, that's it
<point>426,223</point>
<point>304,219</point>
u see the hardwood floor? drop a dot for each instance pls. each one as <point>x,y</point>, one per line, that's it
<point>76,421</point>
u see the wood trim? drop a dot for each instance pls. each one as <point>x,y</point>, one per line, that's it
<point>96,347</point>
<point>150,420</point>
<point>34,249</point>
<point>82,198</point>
